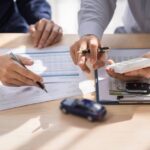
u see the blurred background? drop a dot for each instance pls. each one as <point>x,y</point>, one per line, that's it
<point>65,14</point>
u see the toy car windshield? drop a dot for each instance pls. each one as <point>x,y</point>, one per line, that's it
<point>89,105</point>
<point>70,102</point>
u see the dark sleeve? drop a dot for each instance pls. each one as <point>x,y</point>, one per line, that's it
<point>34,10</point>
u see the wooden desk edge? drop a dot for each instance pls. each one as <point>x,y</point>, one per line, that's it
<point>112,40</point>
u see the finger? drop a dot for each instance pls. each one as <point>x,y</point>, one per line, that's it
<point>146,73</point>
<point>13,82</point>
<point>133,73</point>
<point>110,62</point>
<point>24,80</point>
<point>81,59</point>
<point>32,29</point>
<point>122,77</point>
<point>82,46</point>
<point>142,73</point>
<point>82,64</point>
<point>100,61</point>
<point>93,46</point>
<point>59,36</point>
<point>26,73</point>
<point>39,30</point>
<point>46,32</point>
<point>110,72</point>
<point>73,51</point>
<point>52,36</point>
<point>25,60</point>
<point>115,75</point>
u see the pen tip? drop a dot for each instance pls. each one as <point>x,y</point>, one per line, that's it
<point>45,90</point>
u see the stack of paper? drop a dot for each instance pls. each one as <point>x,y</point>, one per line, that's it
<point>61,78</point>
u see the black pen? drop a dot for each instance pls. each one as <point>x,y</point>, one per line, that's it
<point>15,58</point>
<point>100,50</point>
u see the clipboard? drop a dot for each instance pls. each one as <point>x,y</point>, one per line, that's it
<point>103,85</point>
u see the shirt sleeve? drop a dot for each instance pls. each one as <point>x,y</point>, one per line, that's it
<point>94,16</point>
<point>34,10</point>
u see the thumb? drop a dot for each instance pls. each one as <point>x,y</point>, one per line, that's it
<point>32,29</point>
<point>26,61</point>
<point>110,62</point>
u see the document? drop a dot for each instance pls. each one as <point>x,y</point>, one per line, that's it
<point>110,88</point>
<point>53,64</point>
<point>61,78</point>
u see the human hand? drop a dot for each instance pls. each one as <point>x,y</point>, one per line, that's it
<point>13,74</point>
<point>143,73</point>
<point>92,43</point>
<point>133,75</point>
<point>45,33</point>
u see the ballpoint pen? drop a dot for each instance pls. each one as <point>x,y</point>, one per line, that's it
<point>15,58</point>
<point>100,50</point>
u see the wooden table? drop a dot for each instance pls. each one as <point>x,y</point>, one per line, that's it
<point>44,127</point>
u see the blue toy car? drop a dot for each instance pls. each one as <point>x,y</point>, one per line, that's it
<point>84,108</point>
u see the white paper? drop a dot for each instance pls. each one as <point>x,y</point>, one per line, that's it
<point>53,64</point>
<point>61,78</point>
<point>14,97</point>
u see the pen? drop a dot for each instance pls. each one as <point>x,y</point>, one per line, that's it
<point>100,50</point>
<point>15,58</point>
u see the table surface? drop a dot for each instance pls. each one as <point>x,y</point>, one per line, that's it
<point>44,127</point>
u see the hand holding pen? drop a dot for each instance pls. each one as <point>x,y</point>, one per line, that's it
<point>13,74</point>
<point>88,48</point>
<point>36,81</point>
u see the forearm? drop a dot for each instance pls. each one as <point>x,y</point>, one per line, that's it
<point>34,10</point>
<point>94,16</point>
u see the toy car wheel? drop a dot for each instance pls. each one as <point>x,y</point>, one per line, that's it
<point>64,110</point>
<point>90,118</point>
